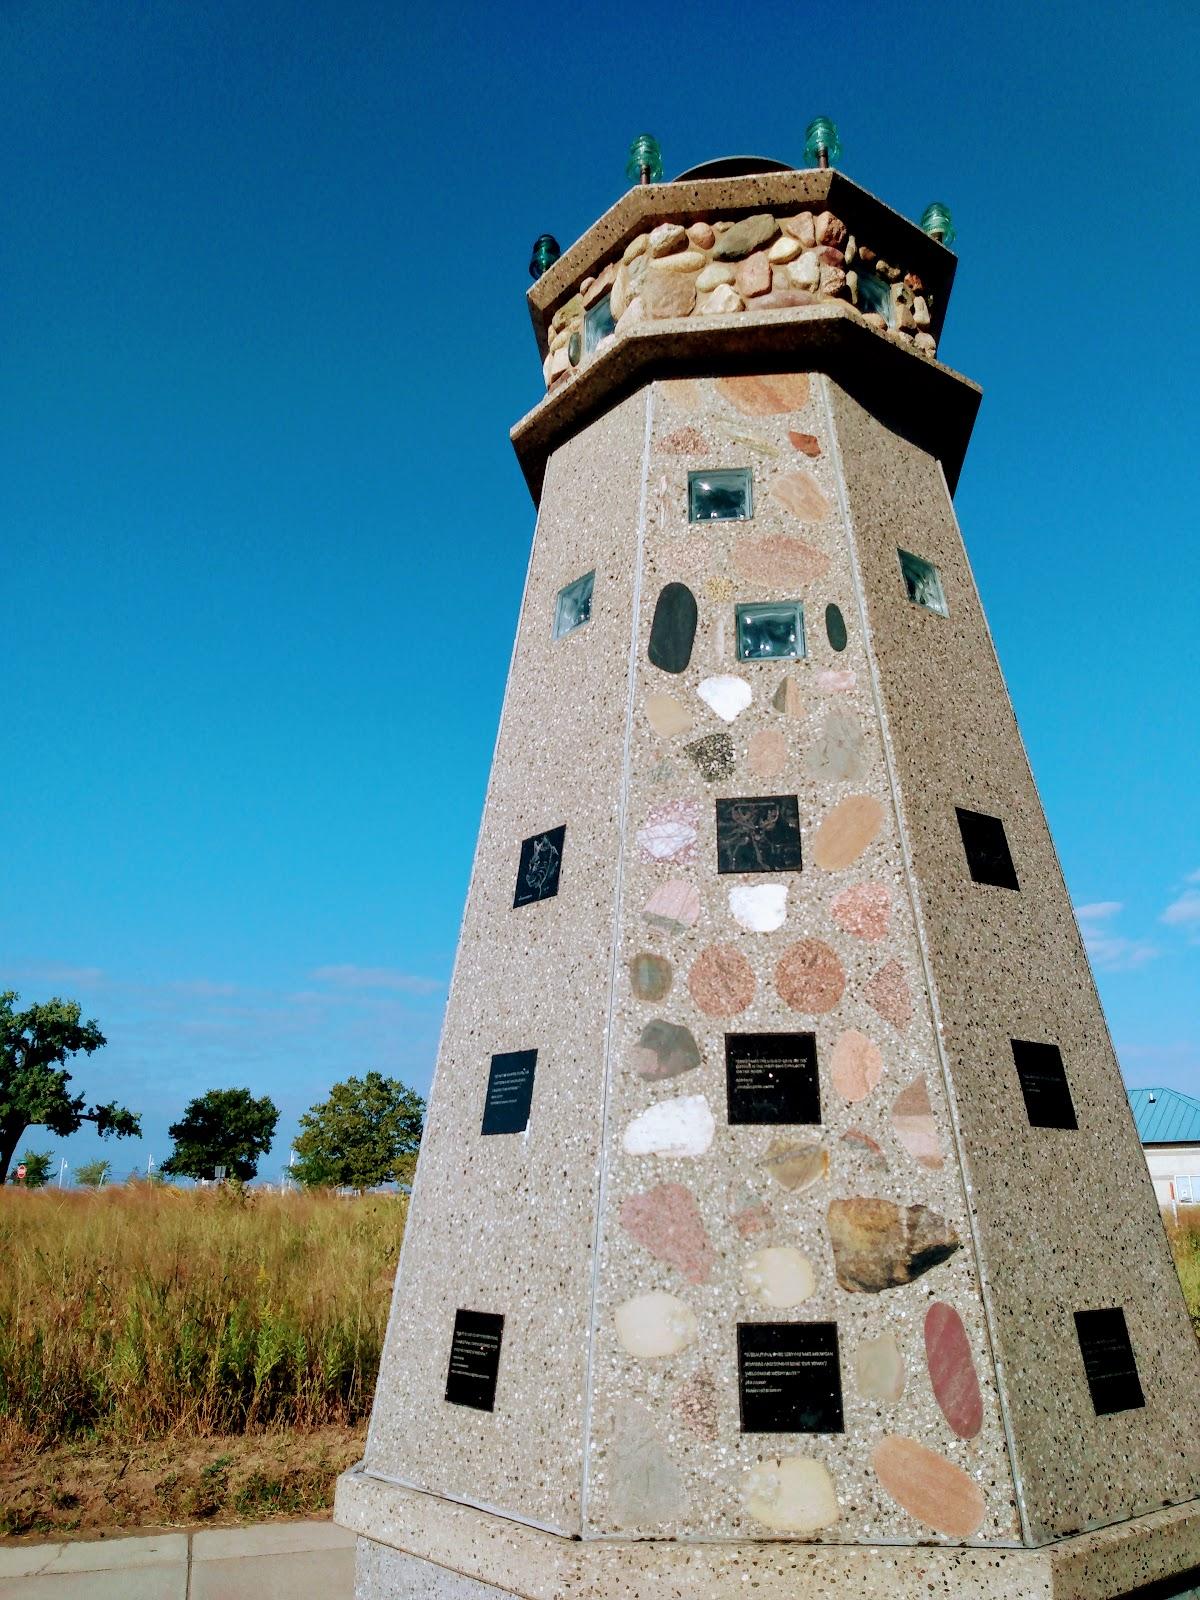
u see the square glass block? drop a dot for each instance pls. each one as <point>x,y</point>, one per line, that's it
<point>772,631</point>
<point>923,582</point>
<point>875,295</point>
<point>574,605</point>
<point>597,324</point>
<point>726,495</point>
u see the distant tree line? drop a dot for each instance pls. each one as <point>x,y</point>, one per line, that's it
<point>366,1133</point>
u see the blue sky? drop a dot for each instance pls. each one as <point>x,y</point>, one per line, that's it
<point>262,335</point>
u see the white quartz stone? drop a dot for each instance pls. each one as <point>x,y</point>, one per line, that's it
<point>655,1325</point>
<point>779,1276</point>
<point>727,695</point>
<point>759,908</point>
<point>683,1126</point>
<point>794,1493</point>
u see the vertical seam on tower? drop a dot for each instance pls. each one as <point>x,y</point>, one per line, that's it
<point>922,944</point>
<point>622,810</point>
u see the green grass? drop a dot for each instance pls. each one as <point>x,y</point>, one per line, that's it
<point>1185,1247</point>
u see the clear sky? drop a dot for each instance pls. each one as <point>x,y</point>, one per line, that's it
<point>262,335</point>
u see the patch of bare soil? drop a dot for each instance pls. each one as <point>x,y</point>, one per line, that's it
<point>83,1489</point>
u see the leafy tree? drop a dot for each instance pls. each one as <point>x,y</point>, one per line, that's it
<point>37,1168</point>
<point>93,1174</point>
<point>367,1132</point>
<point>224,1128</point>
<point>34,1045</point>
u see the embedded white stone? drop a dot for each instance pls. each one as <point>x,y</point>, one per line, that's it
<point>655,1325</point>
<point>779,1276</point>
<point>727,695</point>
<point>683,1126</point>
<point>663,840</point>
<point>761,908</point>
<point>794,1493</point>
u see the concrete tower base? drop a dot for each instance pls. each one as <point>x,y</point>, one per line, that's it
<point>440,1550</point>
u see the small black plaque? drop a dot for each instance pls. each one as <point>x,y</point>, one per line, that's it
<point>509,1092</point>
<point>759,835</point>
<point>789,1377</point>
<point>541,862</point>
<point>474,1359</point>
<point>1044,1084</point>
<point>772,1077</point>
<point>986,845</point>
<point>1108,1362</point>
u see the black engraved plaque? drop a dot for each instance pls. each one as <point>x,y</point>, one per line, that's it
<point>1108,1362</point>
<point>789,1377</point>
<point>541,861</point>
<point>474,1359</point>
<point>986,845</point>
<point>1044,1084</point>
<point>759,835</point>
<point>509,1092</point>
<point>772,1077</point>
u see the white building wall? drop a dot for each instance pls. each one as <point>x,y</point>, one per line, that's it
<point>1175,1169</point>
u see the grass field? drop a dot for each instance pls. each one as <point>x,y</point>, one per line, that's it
<point>216,1349</point>
<point>173,1357</point>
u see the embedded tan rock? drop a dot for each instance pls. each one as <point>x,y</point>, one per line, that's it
<point>668,236</point>
<point>847,831</point>
<point>928,1487</point>
<point>668,294</point>
<point>879,1245</point>
<point>779,1277</point>
<point>797,492</point>
<point>765,396</point>
<point>804,272</point>
<point>767,755</point>
<point>795,1167</point>
<point>788,699</point>
<point>753,275</point>
<point>715,274</point>
<point>721,301</point>
<point>702,235</point>
<point>879,1369</point>
<point>599,286</point>
<point>837,756</point>
<point>784,249</point>
<point>777,558</point>
<point>664,1050</point>
<point>915,1126</point>
<point>793,1494</point>
<point>683,261</point>
<point>666,716</point>
<point>802,228</point>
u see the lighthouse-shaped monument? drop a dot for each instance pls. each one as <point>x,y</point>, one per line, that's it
<point>780,1226</point>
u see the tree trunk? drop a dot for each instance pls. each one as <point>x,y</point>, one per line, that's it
<point>10,1138</point>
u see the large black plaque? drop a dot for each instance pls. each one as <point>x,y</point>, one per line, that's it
<point>474,1359</point>
<point>541,862</point>
<point>1108,1362</point>
<point>509,1092</point>
<point>1044,1084</point>
<point>789,1377</point>
<point>986,845</point>
<point>759,835</point>
<point>772,1077</point>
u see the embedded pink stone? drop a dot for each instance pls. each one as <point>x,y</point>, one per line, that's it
<point>666,1221</point>
<point>721,981</point>
<point>930,1488</point>
<point>683,442</point>
<point>915,1126</point>
<point>831,682</point>
<point>952,1370</point>
<point>864,910</point>
<point>768,753</point>
<point>810,976</point>
<point>670,832</point>
<point>889,993</point>
<point>856,1066</point>
<point>778,559</point>
<point>674,906</point>
<point>798,492</point>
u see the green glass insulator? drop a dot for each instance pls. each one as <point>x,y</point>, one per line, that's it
<point>644,152</point>
<point>821,134</point>
<point>938,223</point>
<point>546,252</point>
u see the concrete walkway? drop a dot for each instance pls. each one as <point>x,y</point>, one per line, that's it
<point>273,1561</point>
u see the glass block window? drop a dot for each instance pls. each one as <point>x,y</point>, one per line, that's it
<point>723,496</point>
<point>875,295</point>
<point>923,582</point>
<point>772,631</point>
<point>574,605</point>
<point>597,324</point>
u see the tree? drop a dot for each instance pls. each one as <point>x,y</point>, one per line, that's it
<point>224,1128</point>
<point>93,1174</point>
<point>367,1132</point>
<point>37,1168</point>
<point>34,1045</point>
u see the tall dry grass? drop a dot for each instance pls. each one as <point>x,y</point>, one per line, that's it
<point>1185,1247</point>
<point>139,1312</point>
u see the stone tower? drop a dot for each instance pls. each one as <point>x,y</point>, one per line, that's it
<point>780,1224</point>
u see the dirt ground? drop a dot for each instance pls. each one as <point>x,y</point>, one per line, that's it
<point>81,1489</point>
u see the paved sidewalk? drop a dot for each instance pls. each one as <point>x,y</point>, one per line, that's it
<point>273,1561</point>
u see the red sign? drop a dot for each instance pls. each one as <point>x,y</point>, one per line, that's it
<point>21,1172</point>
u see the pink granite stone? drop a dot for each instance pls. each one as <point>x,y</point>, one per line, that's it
<point>768,753</point>
<point>666,1221</point>
<point>856,1065</point>
<point>810,977</point>
<point>806,443</point>
<point>798,492</point>
<point>776,558</point>
<point>863,910</point>
<point>674,906</point>
<point>753,275</point>
<point>889,993</point>
<point>683,442</point>
<point>721,981</point>
<point>928,1487</point>
<point>952,1370</point>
